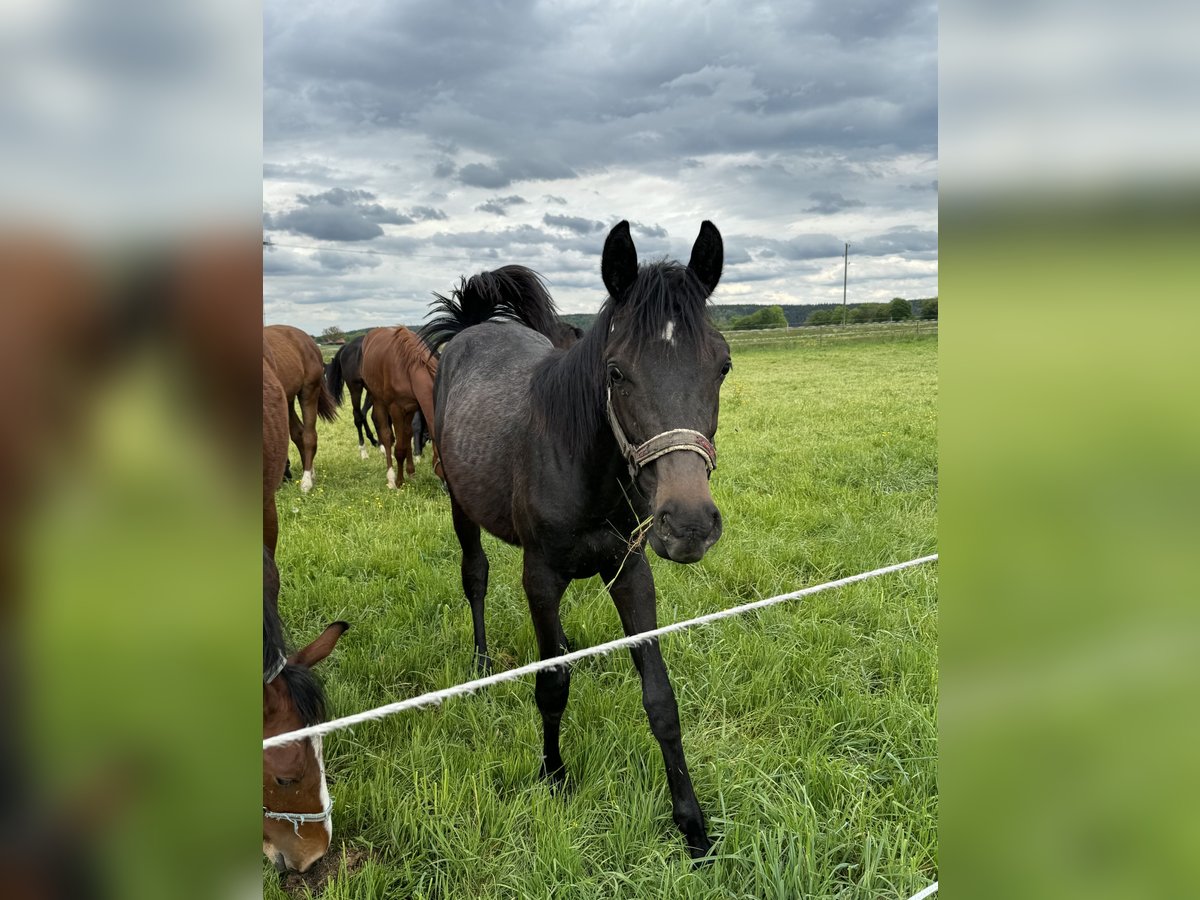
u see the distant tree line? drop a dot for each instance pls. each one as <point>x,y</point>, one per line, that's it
<point>745,316</point>
<point>898,310</point>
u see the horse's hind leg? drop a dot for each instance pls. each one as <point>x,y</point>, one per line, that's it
<point>544,589</point>
<point>368,401</point>
<point>359,418</point>
<point>383,429</point>
<point>308,449</point>
<point>296,430</point>
<point>632,590</point>
<point>400,448</point>
<point>406,442</point>
<point>474,578</point>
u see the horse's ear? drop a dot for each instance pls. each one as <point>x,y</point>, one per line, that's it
<point>321,647</point>
<point>708,255</point>
<point>618,265</point>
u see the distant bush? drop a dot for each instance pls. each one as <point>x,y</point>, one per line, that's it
<point>899,309</point>
<point>768,317</point>
<point>929,308</point>
<point>823,317</point>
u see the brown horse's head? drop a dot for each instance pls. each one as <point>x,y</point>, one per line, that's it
<point>665,365</point>
<point>297,825</point>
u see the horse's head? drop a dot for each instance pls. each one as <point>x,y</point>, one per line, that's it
<point>297,826</point>
<point>665,364</point>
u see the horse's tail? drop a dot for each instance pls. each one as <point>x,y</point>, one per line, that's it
<point>333,376</point>
<point>510,292</point>
<point>326,405</point>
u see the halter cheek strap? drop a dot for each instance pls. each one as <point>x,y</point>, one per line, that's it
<point>660,445</point>
<point>298,819</point>
<point>270,676</point>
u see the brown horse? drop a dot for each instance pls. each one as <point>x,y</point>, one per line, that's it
<point>274,448</point>
<point>398,370</point>
<point>297,820</point>
<point>300,369</point>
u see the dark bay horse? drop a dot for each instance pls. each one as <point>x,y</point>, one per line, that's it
<point>301,371</point>
<point>274,446</point>
<point>297,820</point>
<point>577,456</point>
<point>345,369</point>
<point>398,370</point>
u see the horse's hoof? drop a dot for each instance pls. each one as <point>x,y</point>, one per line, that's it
<point>306,483</point>
<point>555,778</point>
<point>701,851</point>
<point>362,452</point>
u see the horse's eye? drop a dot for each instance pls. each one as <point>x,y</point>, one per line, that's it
<point>284,782</point>
<point>725,368</point>
<point>615,375</point>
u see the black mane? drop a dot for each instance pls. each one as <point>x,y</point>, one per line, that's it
<point>510,292</point>
<point>568,388</point>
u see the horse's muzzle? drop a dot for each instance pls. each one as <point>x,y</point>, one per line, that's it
<point>685,534</point>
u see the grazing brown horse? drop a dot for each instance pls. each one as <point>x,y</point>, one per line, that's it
<point>300,369</point>
<point>398,370</point>
<point>297,820</point>
<point>274,448</point>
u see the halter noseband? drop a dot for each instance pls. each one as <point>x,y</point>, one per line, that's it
<point>660,445</point>
<point>298,819</point>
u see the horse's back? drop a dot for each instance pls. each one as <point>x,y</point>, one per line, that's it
<point>483,404</point>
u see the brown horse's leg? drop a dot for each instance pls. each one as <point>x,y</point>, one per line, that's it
<point>270,525</point>
<point>632,590</point>
<point>544,589</point>
<point>383,431</point>
<point>396,414</point>
<point>308,409</point>
<point>296,430</point>
<point>406,443</point>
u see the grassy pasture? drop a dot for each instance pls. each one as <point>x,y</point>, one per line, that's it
<point>810,728</point>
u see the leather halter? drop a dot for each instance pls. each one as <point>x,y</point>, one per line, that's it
<point>298,819</point>
<point>268,677</point>
<point>660,445</point>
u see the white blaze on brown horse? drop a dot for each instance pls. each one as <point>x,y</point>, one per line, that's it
<point>301,371</point>
<point>399,371</point>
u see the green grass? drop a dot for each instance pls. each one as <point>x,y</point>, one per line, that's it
<point>810,728</point>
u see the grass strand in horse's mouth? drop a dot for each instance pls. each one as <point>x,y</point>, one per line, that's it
<point>633,543</point>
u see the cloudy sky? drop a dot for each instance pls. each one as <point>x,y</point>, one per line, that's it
<point>408,143</point>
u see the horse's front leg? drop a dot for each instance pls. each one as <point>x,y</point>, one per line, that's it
<point>544,588</point>
<point>632,590</point>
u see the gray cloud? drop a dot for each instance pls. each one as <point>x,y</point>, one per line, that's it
<point>426,213</point>
<point>347,262</point>
<point>550,198</point>
<point>500,205</point>
<point>829,202</point>
<point>339,214</point>
<point>650,231</point>
<point>573,223</point>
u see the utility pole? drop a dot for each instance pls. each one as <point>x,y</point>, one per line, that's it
<point>845,271</point>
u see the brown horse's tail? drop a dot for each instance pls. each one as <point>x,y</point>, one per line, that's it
<point>326,405</point>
